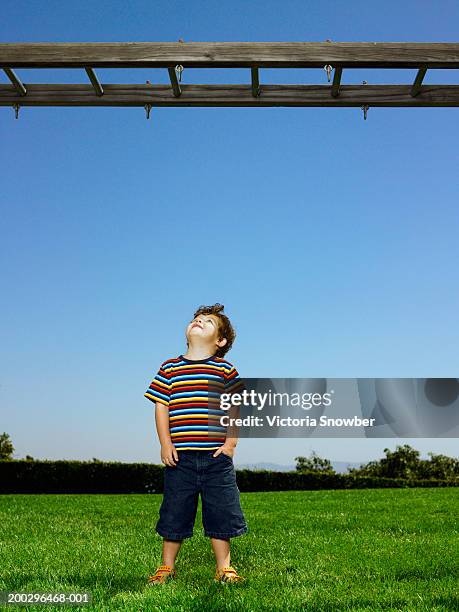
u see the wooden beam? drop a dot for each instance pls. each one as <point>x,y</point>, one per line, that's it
<point>416,88</point>
<point>255,82</point>
<point>174,82</point>
<point>230,95</point>
<point>18,85</point>
<point>229,54</point>
<point>95,81</point>
<point>336,82</point>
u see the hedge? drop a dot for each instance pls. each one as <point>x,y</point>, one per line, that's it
<point>21,476</point>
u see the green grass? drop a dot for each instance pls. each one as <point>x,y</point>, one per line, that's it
<point>376,549</point>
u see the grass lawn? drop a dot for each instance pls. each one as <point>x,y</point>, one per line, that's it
<point>375,549</point>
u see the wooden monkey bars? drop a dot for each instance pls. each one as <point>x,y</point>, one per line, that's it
<point>334,57</point>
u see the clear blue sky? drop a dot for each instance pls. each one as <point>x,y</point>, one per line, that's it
<point>331,241</point>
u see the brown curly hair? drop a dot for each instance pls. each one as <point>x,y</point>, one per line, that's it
<point>226,330</point>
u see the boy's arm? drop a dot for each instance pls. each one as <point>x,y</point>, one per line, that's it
<point>234,386</point>
<point>162,423</point>
<point>168,450</point>
<point>232,432</point>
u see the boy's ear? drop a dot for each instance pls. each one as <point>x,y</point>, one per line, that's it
<point>222,342</point>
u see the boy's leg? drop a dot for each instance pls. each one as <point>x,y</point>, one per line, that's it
<point>170,551</point>
<point>222,552</point>
<point>180,502</point>
<point>222,514</point>
<point>224,572</point>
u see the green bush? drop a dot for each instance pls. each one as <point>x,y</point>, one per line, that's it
<point>46,476</point>
<point>26,476</point>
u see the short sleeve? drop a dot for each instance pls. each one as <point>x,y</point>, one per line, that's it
<point>233,382</point>
<point>159,389</point>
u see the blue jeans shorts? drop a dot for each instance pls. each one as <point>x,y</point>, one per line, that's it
<point>197,471</point>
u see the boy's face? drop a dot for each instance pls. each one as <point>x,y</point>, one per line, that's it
<point>204,330</point>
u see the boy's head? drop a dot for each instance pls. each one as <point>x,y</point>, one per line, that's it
<point>211,327</point>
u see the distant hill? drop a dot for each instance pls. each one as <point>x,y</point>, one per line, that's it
<point>339,466</point>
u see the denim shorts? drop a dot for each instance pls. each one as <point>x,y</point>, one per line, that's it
<point>197,471</point>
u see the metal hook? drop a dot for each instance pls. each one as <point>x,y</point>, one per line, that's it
<point>148,109</point>
<point>365,107</point>
<point>328,70</point>
<point>16,108</point>
<point>179,70</point>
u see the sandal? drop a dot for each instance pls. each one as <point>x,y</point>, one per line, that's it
<point>227,574</point>
<point>162,574</point>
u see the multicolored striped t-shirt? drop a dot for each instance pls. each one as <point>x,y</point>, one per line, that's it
<point>191,389</point>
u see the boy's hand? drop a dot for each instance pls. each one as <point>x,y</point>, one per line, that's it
<point>227,449</point>
<point>169,454</point>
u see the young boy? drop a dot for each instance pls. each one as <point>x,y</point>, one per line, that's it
<point>196,449</point>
